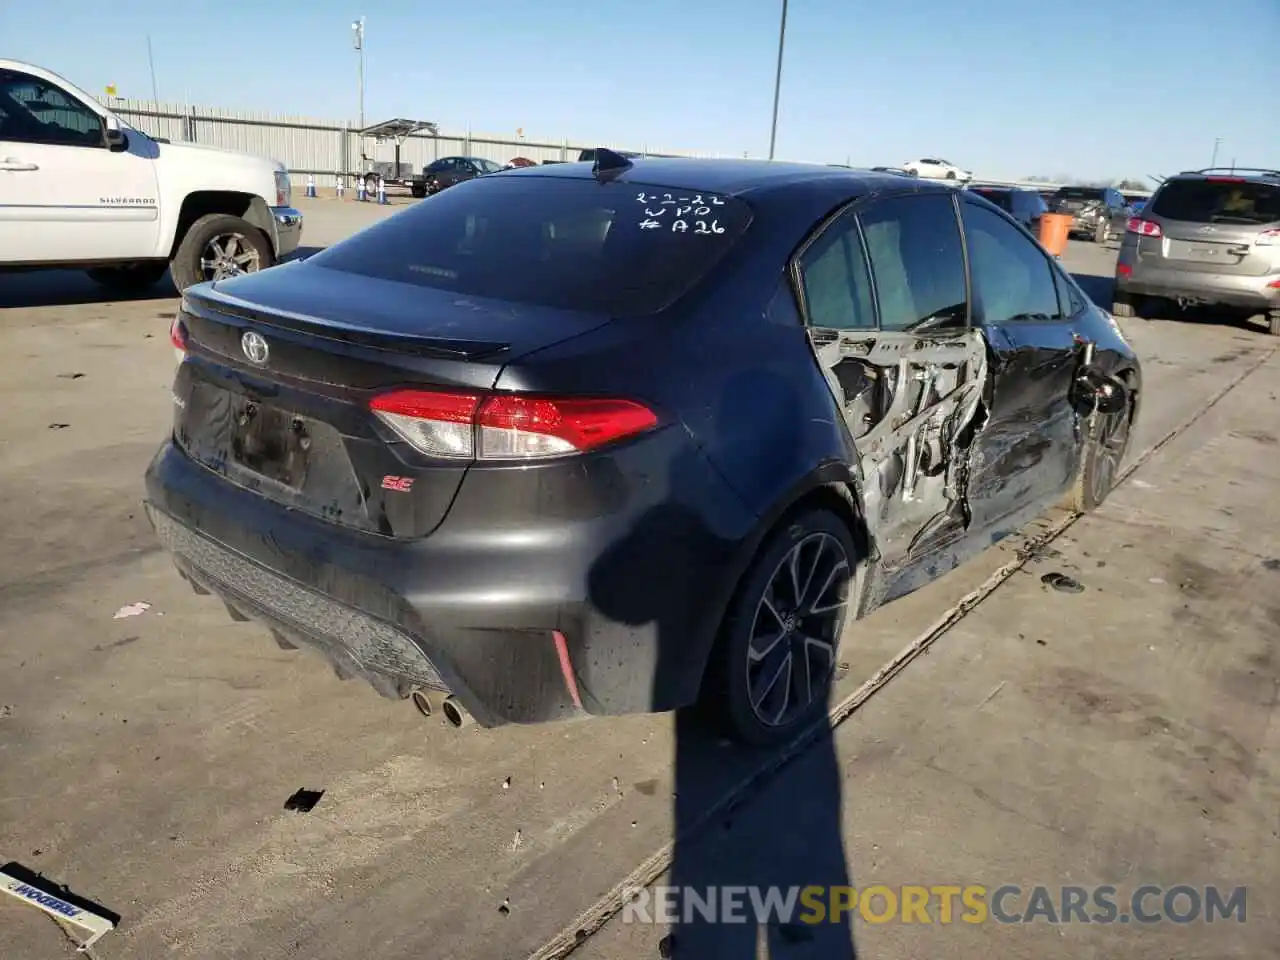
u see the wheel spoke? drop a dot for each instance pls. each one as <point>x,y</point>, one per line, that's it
<point>817,606</point>
<point>757,654</point>
<point>803,595</point>
<point>781,674</point>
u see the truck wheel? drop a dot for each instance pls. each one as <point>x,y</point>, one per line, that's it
<point>129,277</point>
<point>419,190</point>
<point>371,184</point>
<point>1102,233</point>
<point>217,247</point>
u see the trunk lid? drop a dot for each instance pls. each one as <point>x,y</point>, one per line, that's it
<point>293,424</point>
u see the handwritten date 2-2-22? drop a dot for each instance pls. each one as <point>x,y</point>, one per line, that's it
<point>683,214</point>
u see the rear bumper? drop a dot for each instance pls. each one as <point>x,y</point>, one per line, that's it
<point>522,626</point>
<point>1147,279</point>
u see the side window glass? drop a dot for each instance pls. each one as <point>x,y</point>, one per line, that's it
<point>916,261</point>
<point>33,111</point>
<point>1069,301</point>
<point>837,286</point>
<point>1012,279</point>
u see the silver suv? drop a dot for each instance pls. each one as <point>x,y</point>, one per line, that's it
<point>1208,237</point>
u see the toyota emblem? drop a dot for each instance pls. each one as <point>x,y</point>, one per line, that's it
<point>255,347</point>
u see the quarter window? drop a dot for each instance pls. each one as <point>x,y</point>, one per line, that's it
<point>917,261</point>
<point>837,286</point>
<point>1012,279</point>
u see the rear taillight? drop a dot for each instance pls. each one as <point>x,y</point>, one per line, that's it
<point>507,426</point>
<point>1267,238</point>
<point>1144,228</point>
<point>178,337</point>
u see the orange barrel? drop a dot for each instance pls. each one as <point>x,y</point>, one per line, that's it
<point>1054,230</point>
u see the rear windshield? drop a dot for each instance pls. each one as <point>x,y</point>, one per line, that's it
<point>574,244</point>
<point>1208,201</point>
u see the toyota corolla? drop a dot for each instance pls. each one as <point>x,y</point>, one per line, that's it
<point>593,439</point>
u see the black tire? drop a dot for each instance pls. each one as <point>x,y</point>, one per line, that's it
<point>913,172</point>
<point>1104,451</point>
<point>371,184</point>
<point>187,265</point>
<point>419,190</point>
<point>818,536</point>
<point>1273,323</point>
<point>129,278</point>
<point>951,174</point>
<point>1102,232</point>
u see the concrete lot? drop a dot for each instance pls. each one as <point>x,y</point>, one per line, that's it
<point>1123,735</point>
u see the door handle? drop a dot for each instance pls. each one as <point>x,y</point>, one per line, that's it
<point>15,165</point>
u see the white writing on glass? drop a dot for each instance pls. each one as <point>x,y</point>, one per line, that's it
<point>696,201</point>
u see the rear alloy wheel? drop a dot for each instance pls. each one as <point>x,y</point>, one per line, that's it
<point>219,247</point>
<point>1104,453</point>
<point>129,278</point>
<point>777,653</point>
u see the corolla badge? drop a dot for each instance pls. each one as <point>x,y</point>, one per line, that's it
<point>254,346</point>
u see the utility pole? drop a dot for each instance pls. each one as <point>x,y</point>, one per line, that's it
<point>1217,142</point>
<point>357,39</point>
<point>777,81</point>
<point>151,60</point>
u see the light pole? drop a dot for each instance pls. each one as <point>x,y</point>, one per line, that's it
<point>777,80</point>
<point>357,40</point>
<point>1217,142</point>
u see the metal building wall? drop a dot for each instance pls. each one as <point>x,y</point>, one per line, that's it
<point>329,149</point>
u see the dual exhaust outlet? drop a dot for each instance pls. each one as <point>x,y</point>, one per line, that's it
<point>454,712</point>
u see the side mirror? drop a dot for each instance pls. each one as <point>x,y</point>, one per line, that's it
<point>115,137</point>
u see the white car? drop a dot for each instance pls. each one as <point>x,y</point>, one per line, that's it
<point>80,188</point>
<point>936,169</point>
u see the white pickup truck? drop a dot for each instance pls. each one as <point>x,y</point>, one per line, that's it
<point>81,189</point>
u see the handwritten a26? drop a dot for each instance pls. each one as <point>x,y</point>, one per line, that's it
<point>704,228</point>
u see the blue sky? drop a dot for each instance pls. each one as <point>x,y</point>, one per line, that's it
<point>1091,89</point>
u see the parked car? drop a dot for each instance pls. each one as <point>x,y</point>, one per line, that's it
<point>934,168</point>
<point>1135,202</point>
<point>1025,206</point>
<point>516,162</point>
<point>566,442</point>
<point>447,171</point>
<point>1098,213</point>
<point>81,189</point>
<point>1207,237</point>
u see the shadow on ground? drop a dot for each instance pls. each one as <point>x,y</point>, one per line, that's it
<point>1099,290</point>
<point>747,827</point>
<point>61,288</point>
